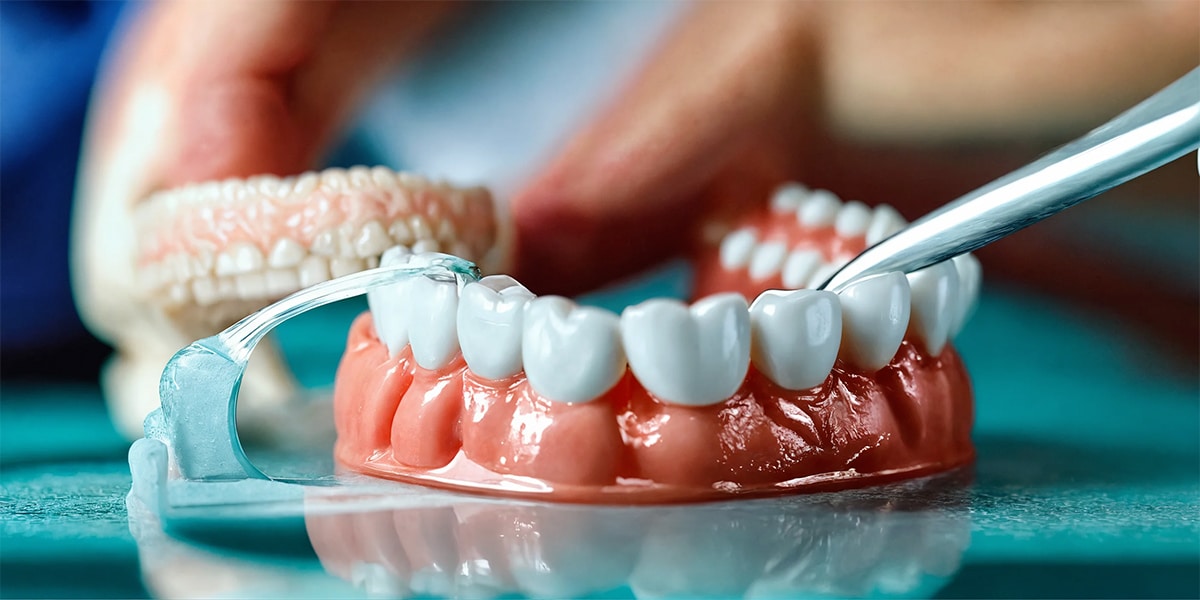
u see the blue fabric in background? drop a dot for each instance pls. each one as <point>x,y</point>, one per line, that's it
<point>48,57</point>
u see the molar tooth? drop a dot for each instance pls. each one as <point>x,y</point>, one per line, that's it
<point>795,336</point>
<point>852,219</point>
<point>875,314</point>
<point>695,356</point>
<point>324,243</point>
<point>571,353</point>
<point>341,266</point>
<point>935,305</point>
<point>400,233</point>
<point>820,209</point>
<point>490,325</point>
<point>885,221</point>
<point>970,276</point>
<point>737,248</point>
<point>767,260</point>
<point>281,282</point>
<point>788,197</point>
<point>313,270</point>
<point>286,253</point>
<point>799,267</point>
<point>250,285</point>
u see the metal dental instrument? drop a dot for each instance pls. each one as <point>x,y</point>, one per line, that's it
<point>1162,128</point>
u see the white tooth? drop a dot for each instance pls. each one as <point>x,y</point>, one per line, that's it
<point>286,253</point>
<point>799,266</point>
<point>305,185</point>
<point>313,270</point>
<point>935,305</point>
<point>821,274</point>
<point>420,227</point>
<point>853,219</point>
<point>360,177</point>
<point>202,263</point>
<point>788,197</point>
<point>372,261</point>
<point>339,267</point>
<point>335,179</point>
<point>571,353</point>
<point>970,276</point>
<point>795,336</point>
<point>226,265</point>
<point>205,291</point>
<point>251,285</point>
<point>383,177</point>
<point>388,304</point>
<point>372,240</point>
<point>248,257</point>
<point>179,293</point>
<point>695,356</point>
<point>344,237</point>
<point>400,233</point>
<point>490,325</point>
<point>820,209</point>
<point>282,281</point>
<point>325,243</point>
<point>226,288</point>
<point>737,248</point>
<point>884,222</point>
<point>875,315</point>
<point>433,313</point>
<point>425,246</point>
<point>767,260</point>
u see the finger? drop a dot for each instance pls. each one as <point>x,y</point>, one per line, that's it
<point>618,196</point>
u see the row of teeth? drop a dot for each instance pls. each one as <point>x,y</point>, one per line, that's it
<point>301,187</point>
<point>823,208</point>
<point>692,355</point>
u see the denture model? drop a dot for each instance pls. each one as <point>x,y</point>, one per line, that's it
<point>185,263</point>
<point>490,389</point>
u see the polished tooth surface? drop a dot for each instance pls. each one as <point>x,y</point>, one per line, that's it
<point>788,197</point>
<point>795,336</point>
<point>432,315</point>
<point>737,248</point>
<point>970,279</point>
<point>388,303</point>
<point>204,290</point>
<point>490,325</point>
<point>285,253</point>
<point>341,266</point>
<point>371,240</point>
<point>695,355</point>
<point>767,260</point>
<point>820,209</point>
<point>822,274</point>
<point>401,233</point>
<point>852,219</point>
<point>571,353</point>
<point>313,270</point>
<point>420,227</point>
<point>240,257</point>
<point>799,267</point>
<point>875,313</point>
<point>282,281</point>
<point>935,305</point>
<point>885,221</point>
<point>325,243</point>
<point>251,285</point>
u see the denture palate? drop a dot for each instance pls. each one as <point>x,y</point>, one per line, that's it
<point>497,390</point>
<point>249,241</point>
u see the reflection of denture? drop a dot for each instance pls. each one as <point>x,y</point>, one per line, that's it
<point>187,262</point>
<point>494,390</point>
<point>897,542</point>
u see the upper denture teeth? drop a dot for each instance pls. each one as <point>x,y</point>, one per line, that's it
<point>571,353</point>
<point>240,257</point>
<point>799,267</point>
<point>737,247</point>
<point>371,240</point>
<point>875,313</point>
<point>324,243</point>
<point>306,184</point>
<point>335,179</point>
<point>820,209</point>
<point>490,325</point>
<point>696,355</point>
<point>285,253</point>
<point>767,259</point>
<point>401,233</point>
<point>935,305</point>
<point>796,335</point>
<point>788,197</point>
<point>885,221</point>
<point>970,276</point>
<point>420,228</point>
<point>852,219</point>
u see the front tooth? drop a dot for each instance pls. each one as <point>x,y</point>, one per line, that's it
<point>737,248</point>
<point>695,356</point>
<point>490,324</point>
<point>767,260</point>
<point>970,276</point>
<point>788,197</point>
<point>341,266</point>
<point>432,326</point>
<point>799,267</point>
<point>388,304</point>
<point>571,353</point>
<point>820,209</point>
<point>935,305</point>
<point>875,315</point>
<point>286,253</point>
<point>313,270</point>
<point>372,240</point>
<point>795,336</point>
<point>853,219</point>
<point>884,222</point>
